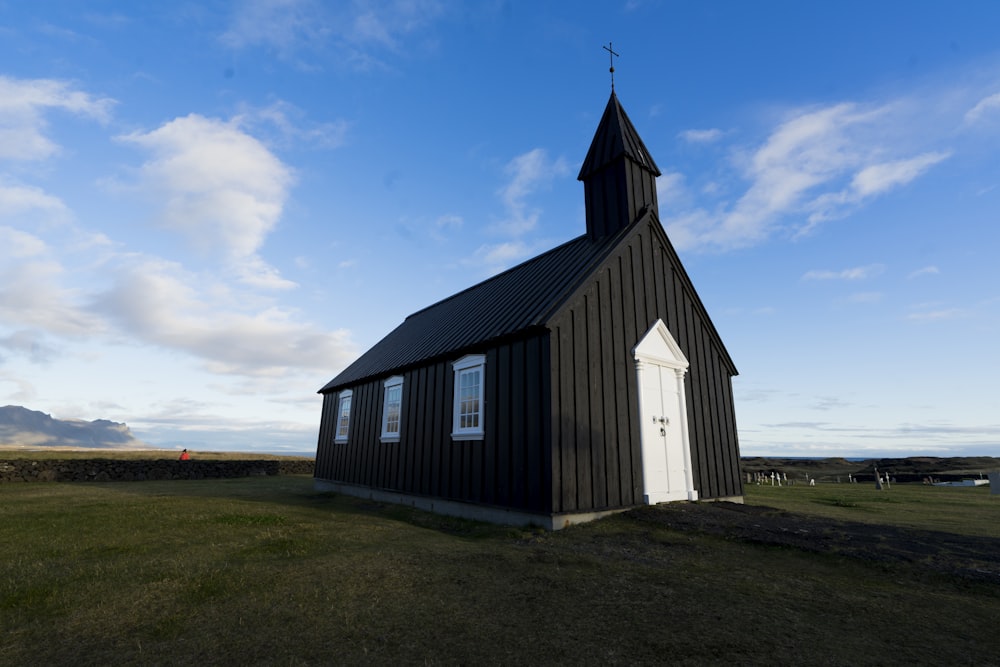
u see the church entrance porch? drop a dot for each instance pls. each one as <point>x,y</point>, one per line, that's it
<point>666,450</point>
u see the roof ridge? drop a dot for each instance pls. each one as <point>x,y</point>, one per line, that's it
<point>508,303</point>
<point>611,242</point>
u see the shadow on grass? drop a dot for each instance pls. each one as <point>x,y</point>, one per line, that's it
<point>298,491</point>
<point>967,555</point>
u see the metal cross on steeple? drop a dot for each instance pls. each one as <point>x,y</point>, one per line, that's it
<point>611,58</point>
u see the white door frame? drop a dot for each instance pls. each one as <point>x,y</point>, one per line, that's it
<point>663,426</point>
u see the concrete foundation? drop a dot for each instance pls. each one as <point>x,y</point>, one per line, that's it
<point>498,515</point>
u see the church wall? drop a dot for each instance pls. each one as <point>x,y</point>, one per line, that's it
<point>596,441</point>
<point>506,469</point>
<point>708,386</point>
<point>596,454</point>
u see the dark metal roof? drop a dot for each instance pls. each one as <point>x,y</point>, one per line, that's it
<point>520,298</point>
<point>515,300</point>
<point>615,137</point>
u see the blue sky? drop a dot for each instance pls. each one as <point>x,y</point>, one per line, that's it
<point>208,209</point>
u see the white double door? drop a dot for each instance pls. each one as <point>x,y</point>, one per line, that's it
<point>666,458</point>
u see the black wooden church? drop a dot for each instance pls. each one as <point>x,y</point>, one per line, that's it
<point>583,381</point>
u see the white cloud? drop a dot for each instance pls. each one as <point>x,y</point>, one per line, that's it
<point>16,244</point>
<point>502,253</point>
<point>195,427</point>
<point>255,272</point>
<point>292,126</point>
<point>925,271</point>
<point>370,27</point>
<point>219,187</point>
<point>528,173</point>
<point>879,178</point>
<point>38,294</point>
<point>23,103</point>
<point>491,259</point>
<point>853,273</point>
<point>932,311</point>
<point>673,193</point>
<point>692,228</point>
<point>155,301</point>
<point>30,343</point>
<point>32,293</point>
<point>983,107</point>
<point>16,200</point>
<point>352,33</point>
<point>806,150</point>
<point>701,136</point>
<point>802,153</point>
<point>869,182</point>
<point>670,187</point>
<point>386,22</point>
<point>819,162</point>
<point>280,24</point>
<point>445,227</point>
<point>937,314</point>
<point>866,297</point>
<point>449,222</point>
<point>24,392</point>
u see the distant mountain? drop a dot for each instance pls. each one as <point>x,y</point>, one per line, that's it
<point>21,427</point>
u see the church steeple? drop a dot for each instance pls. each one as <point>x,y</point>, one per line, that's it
<point>618,174</point>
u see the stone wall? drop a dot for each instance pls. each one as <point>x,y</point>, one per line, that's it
<point>111,470</point>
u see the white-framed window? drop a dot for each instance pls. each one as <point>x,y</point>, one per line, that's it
<point>343,416</point>
<point>470,376</point>
<point>392,408</point>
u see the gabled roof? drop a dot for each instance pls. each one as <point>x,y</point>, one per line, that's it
<point>615,137</point>
<point>513,301</point>
<point>526,296</point>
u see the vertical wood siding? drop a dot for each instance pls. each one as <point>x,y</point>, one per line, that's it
<point>597,450</point>
<point>615,195</point>
<point>561,409</point>
<point>506,469</point>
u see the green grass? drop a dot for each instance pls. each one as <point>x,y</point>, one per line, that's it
<point>42,454</point>
<point>263,571</point>
<point>962,510</point>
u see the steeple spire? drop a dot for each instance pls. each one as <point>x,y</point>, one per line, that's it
<point>618,174</point>
<point>611,59</point>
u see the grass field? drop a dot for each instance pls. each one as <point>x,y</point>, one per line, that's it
<point>53,453</point>
<point>265,571</point>
<point>966,511</point>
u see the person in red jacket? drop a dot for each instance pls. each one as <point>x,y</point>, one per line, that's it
<point>185,456</point>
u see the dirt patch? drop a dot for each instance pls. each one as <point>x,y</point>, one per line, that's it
<point>962,555</point>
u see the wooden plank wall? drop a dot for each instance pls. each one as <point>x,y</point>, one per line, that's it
<point>596,455</point>
<point>506,469</point>
<point>616,195</point>
<point>597,450</point>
